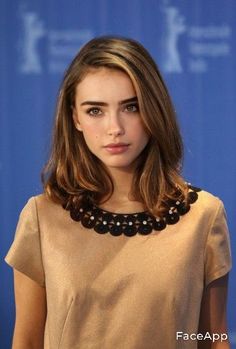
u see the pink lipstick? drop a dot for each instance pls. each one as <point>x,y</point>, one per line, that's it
<point>117,148</point>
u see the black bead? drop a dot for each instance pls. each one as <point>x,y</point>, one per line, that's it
<point>145,229</point>
<point>101,228</point>
<point>87,222</point>
<point>172,218</point>
<point>116,230</point>
<point>75,215</point>
<point>183,208</point>
<point>192,196</point>
<point>129,230</point>
<point>130,219</point>
<point>159,225</point>
<point>118,219</point>
<point>107,217</point>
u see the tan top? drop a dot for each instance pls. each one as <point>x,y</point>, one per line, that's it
<point>121,292</point>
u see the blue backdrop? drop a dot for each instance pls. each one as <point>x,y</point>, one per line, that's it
<point>193,42</point>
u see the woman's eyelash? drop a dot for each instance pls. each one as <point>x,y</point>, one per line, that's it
<point>129,107</point>
<point>132,107</point>
<point>93,111</point>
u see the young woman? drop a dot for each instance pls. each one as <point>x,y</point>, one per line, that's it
<point>119,252</point>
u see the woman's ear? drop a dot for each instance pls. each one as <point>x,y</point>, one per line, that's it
<point>76,119</point>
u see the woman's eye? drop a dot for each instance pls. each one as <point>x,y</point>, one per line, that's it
<point>94,111</point>
<point>132,108</point>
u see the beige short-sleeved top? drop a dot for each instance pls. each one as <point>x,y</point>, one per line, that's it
<point>106,292</point>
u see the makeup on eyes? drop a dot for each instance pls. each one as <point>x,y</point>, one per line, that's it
<point>96,110</point>
<point>90,110</point>
<point>134,105</point>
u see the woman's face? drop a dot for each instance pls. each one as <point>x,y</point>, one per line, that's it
<point>107,112</point>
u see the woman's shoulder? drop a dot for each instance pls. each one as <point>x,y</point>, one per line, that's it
<point>41,209</point>
<point>208,202</point>
<point>207,198</point>
<point>42,203</point>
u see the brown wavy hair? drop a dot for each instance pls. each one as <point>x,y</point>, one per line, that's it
<point>74,175</point>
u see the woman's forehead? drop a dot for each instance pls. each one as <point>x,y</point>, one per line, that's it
<point>105,83</point>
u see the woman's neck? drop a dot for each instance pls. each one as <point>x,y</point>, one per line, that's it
<point>122,200</point>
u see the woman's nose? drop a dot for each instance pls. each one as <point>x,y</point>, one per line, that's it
<point>115,126</point>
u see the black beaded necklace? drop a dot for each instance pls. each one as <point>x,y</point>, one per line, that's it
<point>129,224</point>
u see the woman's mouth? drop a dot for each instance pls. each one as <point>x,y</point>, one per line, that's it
<point>117,148</point>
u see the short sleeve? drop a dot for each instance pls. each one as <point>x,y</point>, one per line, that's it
<point>217,251</point>
<point>25,252</point>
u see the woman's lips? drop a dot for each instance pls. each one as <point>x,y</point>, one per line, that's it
<point>117,148</point>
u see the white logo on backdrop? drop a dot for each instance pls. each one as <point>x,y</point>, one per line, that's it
<point>175,27</point>
<point>202,44</point>
<point>59,46</point>
<point>33,31</point>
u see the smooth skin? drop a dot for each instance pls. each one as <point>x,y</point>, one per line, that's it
<point>31,311</point>
<point>213,317</point>
<point>106,111</point>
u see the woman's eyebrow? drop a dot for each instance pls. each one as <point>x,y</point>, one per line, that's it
<point>99,103</point>
<point>132,99</point>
